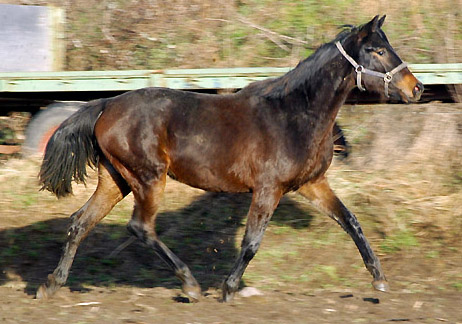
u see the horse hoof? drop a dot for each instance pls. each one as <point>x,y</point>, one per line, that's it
<point>228,295</point>
<point>47,290</point>
<point>42,293</point>
<point>193,292</point>
<point>381,285</point>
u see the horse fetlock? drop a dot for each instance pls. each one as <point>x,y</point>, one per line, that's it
<point>133,228</point>
<point>376,270</point>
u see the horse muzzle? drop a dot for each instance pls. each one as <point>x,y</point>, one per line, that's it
<point>409,88</point>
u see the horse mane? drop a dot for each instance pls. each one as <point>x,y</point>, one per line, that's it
<point>306,70</point>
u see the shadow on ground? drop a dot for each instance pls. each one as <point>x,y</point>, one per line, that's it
<point>203,234</point>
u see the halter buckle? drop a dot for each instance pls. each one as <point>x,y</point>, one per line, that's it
<point>388,77</point>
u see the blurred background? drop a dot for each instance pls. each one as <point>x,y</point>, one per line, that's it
<point>156,34</point>
<point>402,178</point>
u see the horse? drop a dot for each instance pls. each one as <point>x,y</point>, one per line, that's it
<point>270,138</point>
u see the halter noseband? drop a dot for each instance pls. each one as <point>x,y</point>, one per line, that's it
<point>359,69</point>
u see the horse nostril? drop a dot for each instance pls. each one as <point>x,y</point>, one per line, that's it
<point>418,89</point>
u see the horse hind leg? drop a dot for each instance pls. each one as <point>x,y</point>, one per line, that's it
<point>142,225</point>
<point>110,190</point>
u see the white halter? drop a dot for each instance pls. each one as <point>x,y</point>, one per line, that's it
<point>359,69</point>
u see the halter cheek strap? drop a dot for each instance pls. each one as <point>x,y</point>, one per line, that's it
<point>359,69</point>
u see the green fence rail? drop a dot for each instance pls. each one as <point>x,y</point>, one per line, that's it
<point>192,79</point>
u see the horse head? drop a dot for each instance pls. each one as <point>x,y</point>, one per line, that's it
<point>377,66</point>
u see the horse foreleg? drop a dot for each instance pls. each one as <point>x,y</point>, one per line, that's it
<point>322,196</point>
<point>264,202</point>
<point>110,190</point>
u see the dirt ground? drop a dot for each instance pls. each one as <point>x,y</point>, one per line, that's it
<point>418,289</point>
<point>307,270</point>
<point>160,305</point>
<point>418,294</point>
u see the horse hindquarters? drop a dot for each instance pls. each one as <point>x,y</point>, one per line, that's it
<point>138,151</point>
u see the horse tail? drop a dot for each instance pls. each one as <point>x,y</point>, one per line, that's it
<point>70,149</point>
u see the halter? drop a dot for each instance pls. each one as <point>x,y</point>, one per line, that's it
<point>359,69</point>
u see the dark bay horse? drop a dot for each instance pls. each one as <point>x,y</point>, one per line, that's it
<point>272,137</point>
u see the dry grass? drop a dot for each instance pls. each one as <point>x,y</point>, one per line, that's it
<point>406,166</point>
<point>143,34</point>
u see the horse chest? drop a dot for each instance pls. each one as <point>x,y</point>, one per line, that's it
<point>315,163</point>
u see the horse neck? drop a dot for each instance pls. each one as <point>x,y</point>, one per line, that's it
<point>329,80</point>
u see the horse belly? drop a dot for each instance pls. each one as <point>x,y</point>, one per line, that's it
<point>207,166</point>
<point>206,178</point>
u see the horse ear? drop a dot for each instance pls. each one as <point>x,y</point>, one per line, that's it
<point>381,21</point>
<point>369,28</point>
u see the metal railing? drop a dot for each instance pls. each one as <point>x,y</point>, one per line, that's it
<point>188,79</point>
